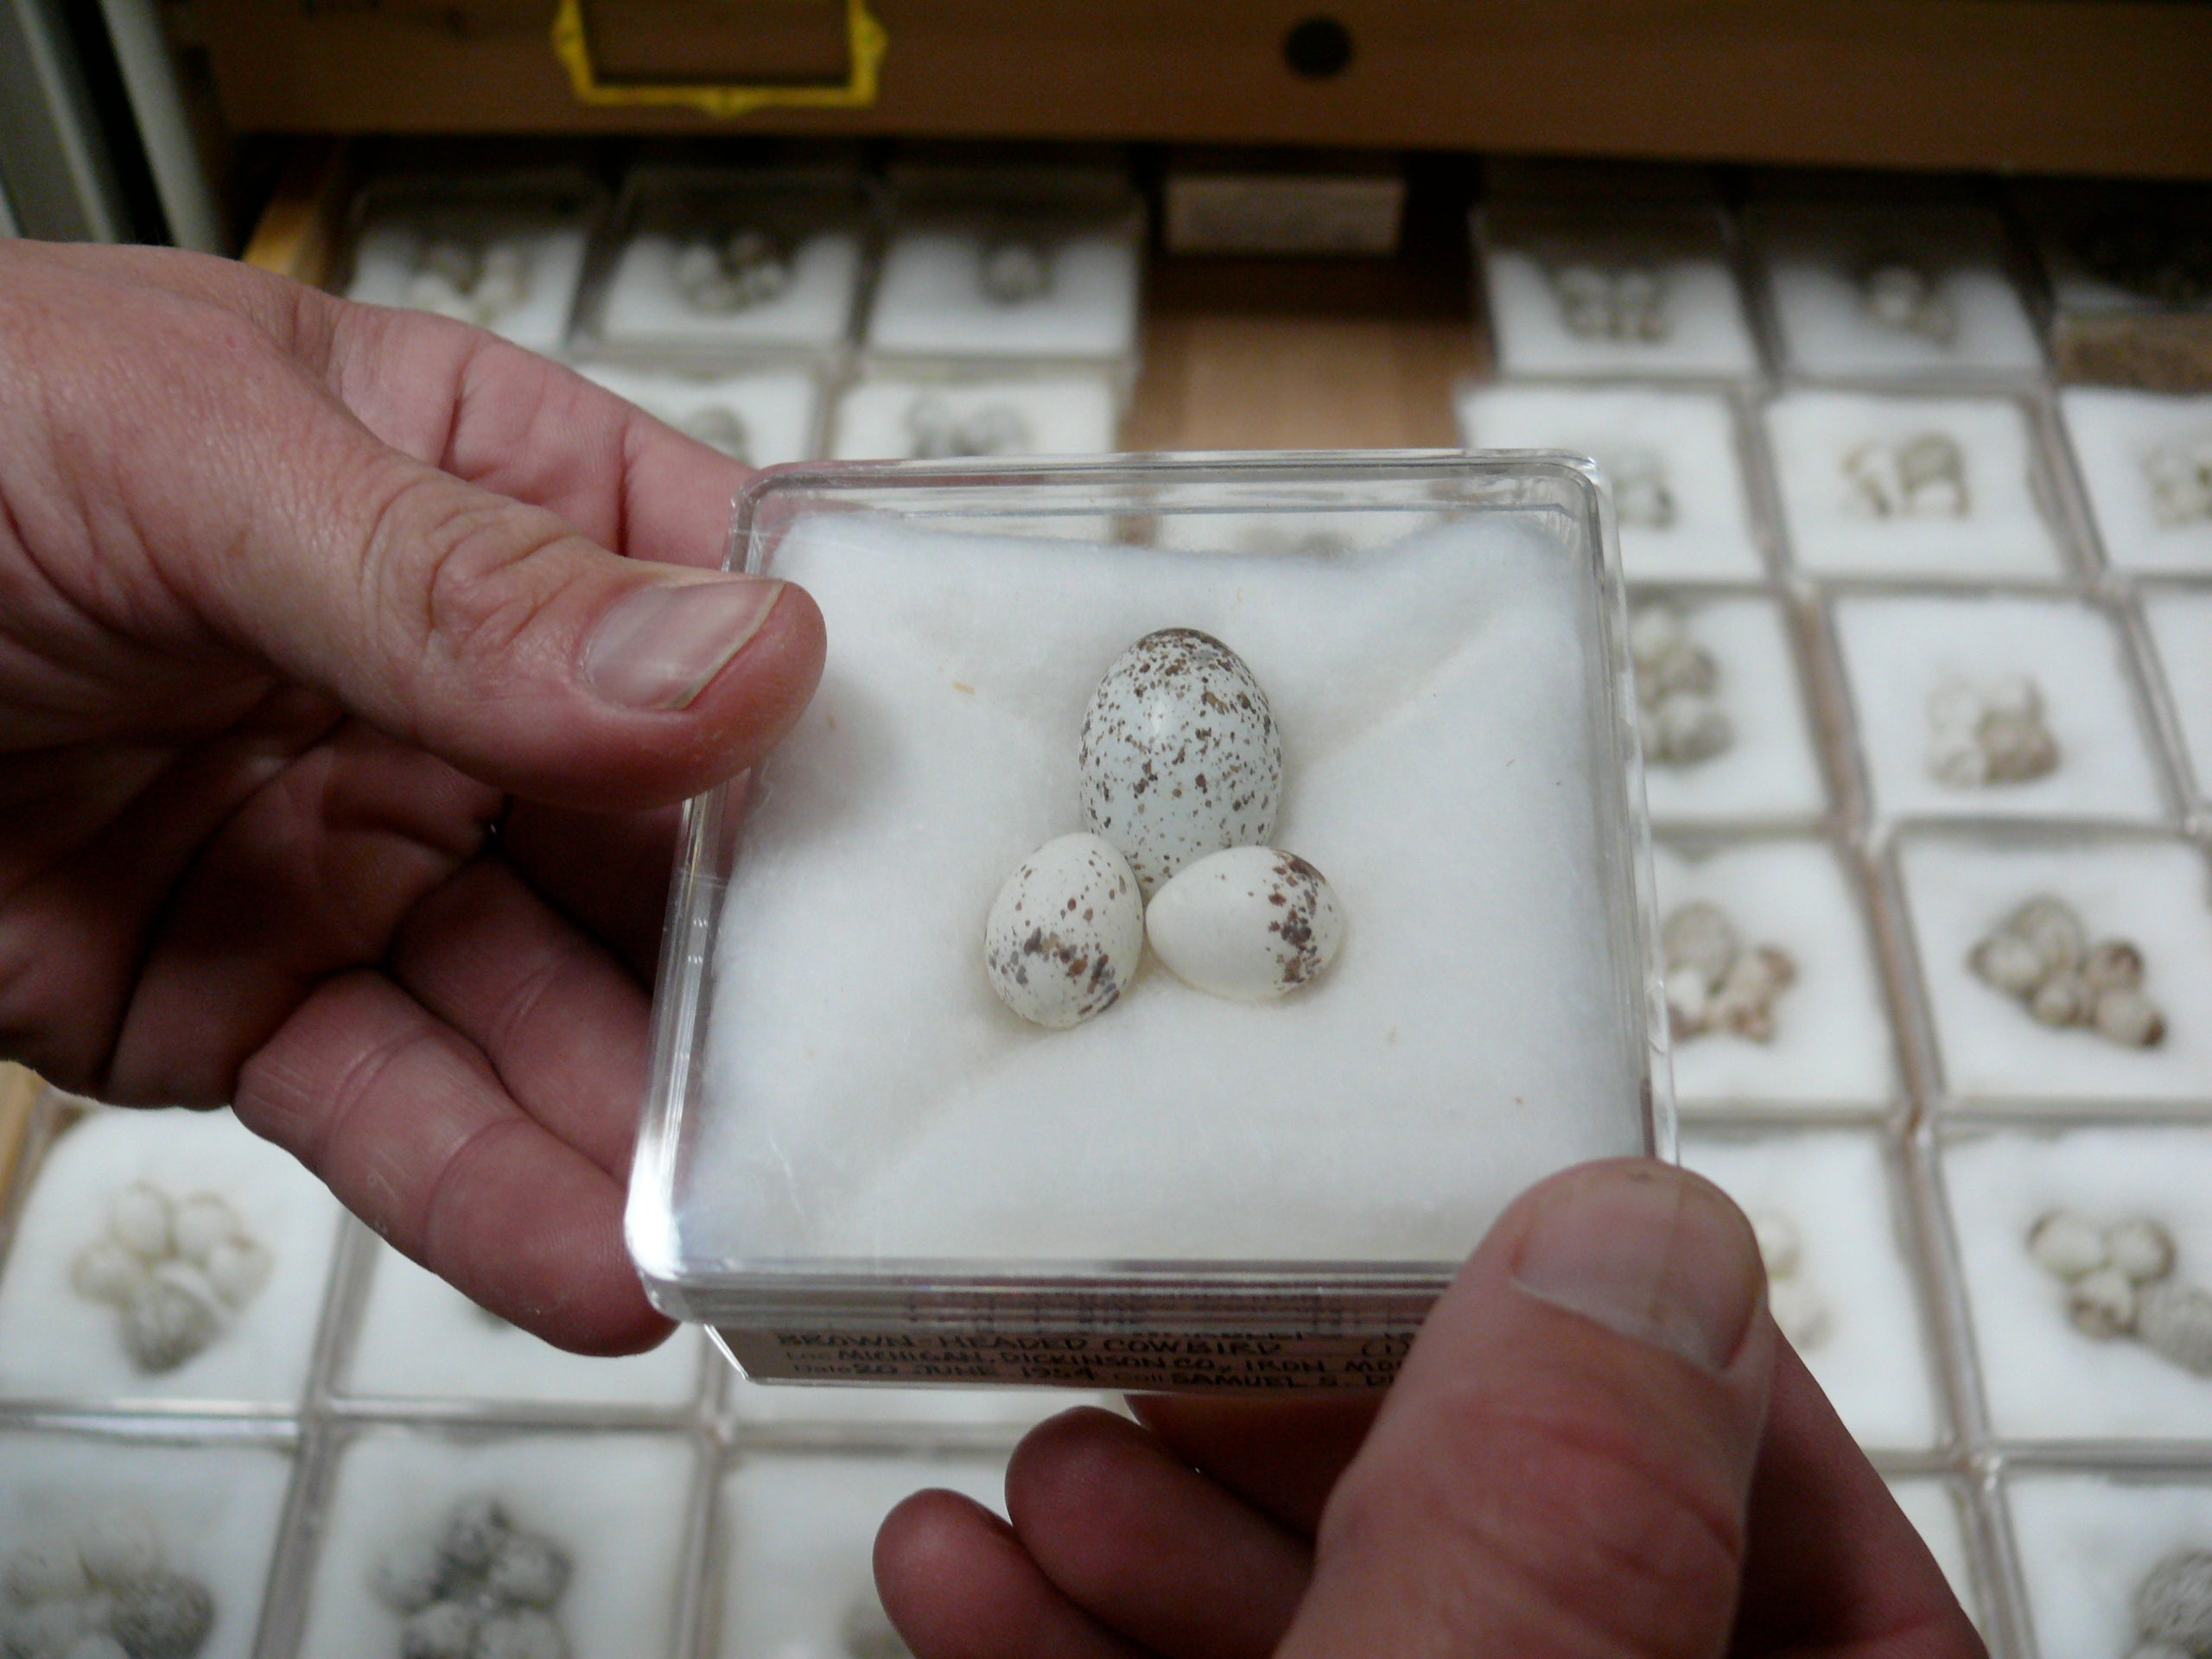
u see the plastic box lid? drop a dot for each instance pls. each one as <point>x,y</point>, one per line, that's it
<point>861,1166</point>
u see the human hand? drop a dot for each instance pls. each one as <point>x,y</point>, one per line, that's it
<point>1599,1445</point>
<point>298,600</point>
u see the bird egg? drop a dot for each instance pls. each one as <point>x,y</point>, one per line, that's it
<point>1066,931</point>
<point>1248,923</point>
<point>1180,756</point>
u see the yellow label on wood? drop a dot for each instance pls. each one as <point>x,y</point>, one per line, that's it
<point>866,43</point>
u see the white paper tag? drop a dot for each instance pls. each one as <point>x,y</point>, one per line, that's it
<point>1283,214</point>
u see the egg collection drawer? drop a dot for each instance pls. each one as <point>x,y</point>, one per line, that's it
<point>1920,638</point>
<point>1924,647</point>
<point>785,314</point>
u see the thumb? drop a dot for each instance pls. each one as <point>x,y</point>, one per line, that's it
<point>496,635</point>
<point>1565,1462</point>
<point>181,473</point>
<point>480,626</point>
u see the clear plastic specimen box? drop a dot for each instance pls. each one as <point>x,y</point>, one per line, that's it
<point>615,1510</point>
<point>1883,290</point>
<point>2050,1373</point>
<point>714,268</point>
<point>1826,1045</point>
<point>2087,1540</point>
<point>2180,624</point>
<point>158,1536</point>
<point>1010,265</point>
<point>859,1165</point>
<point>105,1303</point>
<point>1611,288</point>
<point>939,411</point>
<point>1839,1260</point>
<point>1960,887</point>
<point>504,251</point>
<point>1674,455</point>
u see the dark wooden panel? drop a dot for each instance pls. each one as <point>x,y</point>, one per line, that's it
<point>2085,86</point>
<point>699,39</point>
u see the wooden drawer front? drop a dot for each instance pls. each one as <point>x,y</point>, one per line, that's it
<point>2093,86</point>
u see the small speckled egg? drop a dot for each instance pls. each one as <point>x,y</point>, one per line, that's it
<point>201,1222</point>
<point>119,1548</point>
<point>238,1269</point>
<point>1248,923</point>
<point>108,1270</point>
<point>1066,931</point>
<point>45,1569</point>
<point>1180,756</point>
<point>141,1215</point>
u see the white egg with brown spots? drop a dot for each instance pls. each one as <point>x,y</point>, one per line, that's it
<point>1067,932</point>
<point>1180,757</point>
<point>1250,924</point>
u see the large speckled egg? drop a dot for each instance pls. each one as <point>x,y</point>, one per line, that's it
<point>1066,931</point>
<point>1180,756</point>
<point>1250,923</point>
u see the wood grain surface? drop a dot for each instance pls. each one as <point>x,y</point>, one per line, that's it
<point>2115,86</point>
<point>19,1093</point>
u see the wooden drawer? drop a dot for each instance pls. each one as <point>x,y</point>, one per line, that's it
<point>1237,353</point>
<point>2114,87</point>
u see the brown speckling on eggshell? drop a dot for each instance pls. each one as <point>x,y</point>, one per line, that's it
<point>1085,953</point>
<point>1299,892</point>
<point>1180,754</point>
<point>1249,923</point>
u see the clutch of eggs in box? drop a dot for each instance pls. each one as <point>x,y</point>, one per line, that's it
<point>1181,774</point>
<point>1131,900</point>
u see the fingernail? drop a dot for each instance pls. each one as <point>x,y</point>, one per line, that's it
<point>1650,1252</point>
<point>657,647</point>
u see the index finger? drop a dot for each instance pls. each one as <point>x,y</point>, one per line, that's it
<point>509,421</point>
<point>1281,1457</point>
<point>409,1124</point>
<point>474,405</point>
<point>1832,1563</point>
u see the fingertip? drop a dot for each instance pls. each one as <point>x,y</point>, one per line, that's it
<point>761,694</point>
<point>958,1584</point>
<point>927,1533</point>
<point>617,1327</point>
<point>1282,1456</point>
<point>601,1308</point>
<point>1067,1471</point>
<point>1146,1545</point>
<point>688,680</point>
<point>1650,1250</point>
<point>1063,1449</point>
<point>573,1287</point>
<point>942,1561</point>
<point>1629,1288</point>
